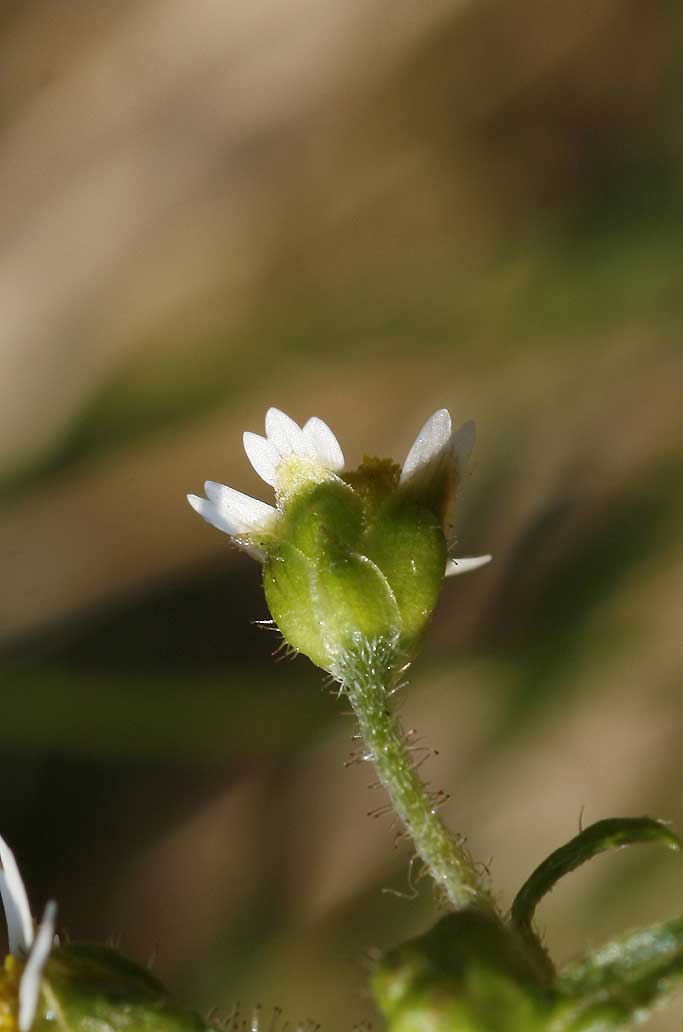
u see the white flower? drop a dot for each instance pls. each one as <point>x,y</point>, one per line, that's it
<point>285,458</point>
<point>25,944</point>
<point>438,451</point>
<point>290,455</point>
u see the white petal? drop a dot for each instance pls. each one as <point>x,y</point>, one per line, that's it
<point>248,514</point>
<point>212,514</point>
<point>463,443</point>
<point>263,455</point>
<point>29,986</point>
<point>432,438</point>
<point>325,443</point>
<point>15,902</point>
<point>288,437</point>
<point>464,565</point>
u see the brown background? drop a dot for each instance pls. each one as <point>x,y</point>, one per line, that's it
<point>362,211</point>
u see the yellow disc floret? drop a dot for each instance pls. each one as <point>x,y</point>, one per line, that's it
<point>10,974</point>
<point>296,474</point>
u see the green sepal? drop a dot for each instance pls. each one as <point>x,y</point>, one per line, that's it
<point>612,833</point>
<point>86,988</point>
<point>289,587</point>
<point>355,604</point>
<point>350,566</point>
<point>407,543</point>
<point>325,520</point>
<point>326,608</point>
<point>467,974</point>
<point>622,981</point>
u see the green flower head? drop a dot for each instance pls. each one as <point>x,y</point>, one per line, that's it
<point>349,558</point>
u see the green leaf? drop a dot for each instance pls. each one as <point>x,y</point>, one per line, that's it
<point>612,833</point>
<point>623,980</point>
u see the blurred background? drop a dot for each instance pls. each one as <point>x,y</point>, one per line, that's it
<point>362,211</point>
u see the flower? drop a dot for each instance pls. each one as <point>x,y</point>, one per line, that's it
<point>348,555</point>
<point>290,456</point>
<point>45,984</point>
<point>20,982</point>
<point>287,458</point>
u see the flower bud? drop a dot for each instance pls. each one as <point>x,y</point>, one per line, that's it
<point>467,974</point>
<point>350,566</point>
<point>350,559</point>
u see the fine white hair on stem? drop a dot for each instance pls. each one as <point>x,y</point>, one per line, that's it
<point>15,903</point>
<point>29,986</point>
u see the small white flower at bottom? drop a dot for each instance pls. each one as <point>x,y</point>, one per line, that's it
<point>21,937</point>
<point>15,903</point>
<point>29,986</point>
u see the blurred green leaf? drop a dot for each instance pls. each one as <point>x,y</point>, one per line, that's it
<point>613,833</point>
<point>623,980</point>
<point>205,718</point>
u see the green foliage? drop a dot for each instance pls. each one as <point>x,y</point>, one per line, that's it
<point>623,981</point>
<point>474,973</point>
<point>612,833</point>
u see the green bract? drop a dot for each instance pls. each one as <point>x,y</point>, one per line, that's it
<point>466,975</point>
<point>350,559</point>
<point>348,565</point>
<point>95,989</point>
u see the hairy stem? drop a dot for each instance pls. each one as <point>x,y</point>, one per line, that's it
<point>366,681</point>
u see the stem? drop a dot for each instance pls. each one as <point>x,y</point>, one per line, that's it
<point>366,682</point>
